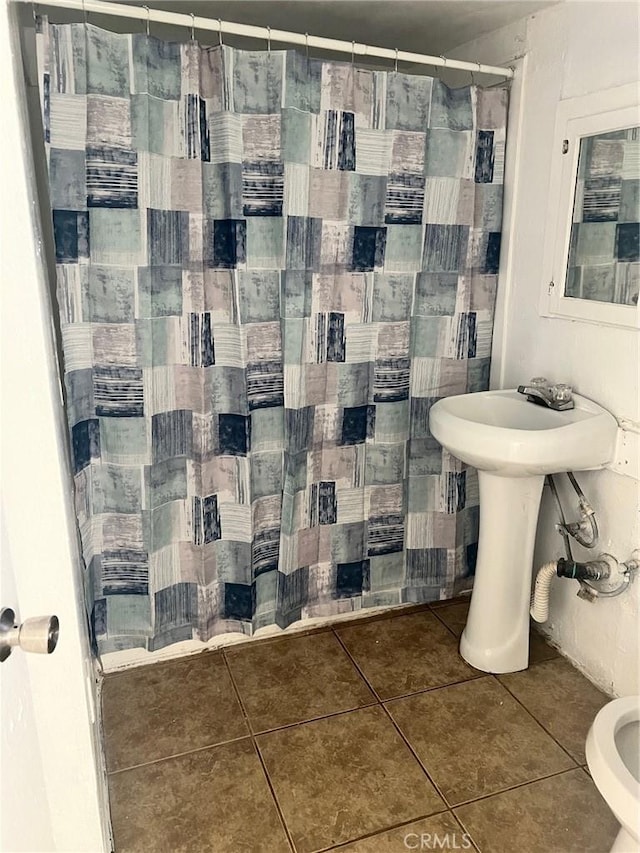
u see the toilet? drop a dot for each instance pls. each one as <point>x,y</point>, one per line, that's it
<point>613,756</point>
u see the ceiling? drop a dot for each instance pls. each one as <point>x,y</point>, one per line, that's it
<point>423,26</point>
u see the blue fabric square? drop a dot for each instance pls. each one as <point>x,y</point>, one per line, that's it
<point>168,237</point>
<point>358,423</point>
<point>352,578</point>
<point>628,242</point>
<point>492,258</point>
<point>85,442</point>
<point>426,565</point>
<point>206,520</point>
<point>229,243</point>
<point>444,247</point>
<point>171,434</point>
<point>327,505</point>
<point>175,606</point>
<point>234,434</point>
<point>71,235</point>
<point>238,601</point>
<point>369,245</point>
<point>484,157</point>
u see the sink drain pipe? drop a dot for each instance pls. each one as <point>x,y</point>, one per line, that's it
<point>594,570</point>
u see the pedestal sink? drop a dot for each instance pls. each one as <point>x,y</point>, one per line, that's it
<point>513,443</point>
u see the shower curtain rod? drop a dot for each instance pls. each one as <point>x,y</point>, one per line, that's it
<point>194,22</point>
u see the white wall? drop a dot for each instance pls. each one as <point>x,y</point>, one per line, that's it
<point>570,49</point>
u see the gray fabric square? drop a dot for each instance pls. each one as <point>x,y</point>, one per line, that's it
<point>436,293</point>
<point>110,296</point>
<point>222,190</point>
<point>167,481</point>
<point>68,189</point>
<point>392,297</point>
<point>367,198</point>
<point>266,475</point>
<point>408,102</point>
<point>107,62</point>
<point>257,82</point>
<point>259,293</point>
<point>451,107</point>
<point>159,291</point>
<point>296,292</point>
<point>156,67</point>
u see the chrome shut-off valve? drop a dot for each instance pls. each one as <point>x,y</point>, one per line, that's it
<point>39,635</point>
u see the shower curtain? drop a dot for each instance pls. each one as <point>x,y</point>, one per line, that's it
<point>269,267</point>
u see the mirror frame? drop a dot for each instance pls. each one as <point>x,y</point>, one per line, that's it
<point>600,112</point>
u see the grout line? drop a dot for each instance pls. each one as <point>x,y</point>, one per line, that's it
<point>304,722</point>
<point>533,717</point>
<point>442,622</point>
<point>358,670</point>
<point>515,787</point>
<point>437,687</point>
<point>176,755</point>
<point>273,794</point>
<point>417,757</point>
<point>237,692</point>
<point>397,728</point>
<point>466,832</point>
<point>254,743</point>
<point>383,829</point>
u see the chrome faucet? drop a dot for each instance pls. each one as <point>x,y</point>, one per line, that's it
<point>541,392</point>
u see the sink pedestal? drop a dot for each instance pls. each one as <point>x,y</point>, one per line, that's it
<point>496,637</point>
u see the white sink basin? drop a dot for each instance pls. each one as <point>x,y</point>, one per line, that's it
<point>502,432</point>
<point>513,443</point>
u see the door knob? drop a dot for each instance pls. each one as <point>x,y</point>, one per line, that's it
<point>38,635</point>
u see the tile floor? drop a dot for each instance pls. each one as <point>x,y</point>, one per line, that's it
<point>368,737</point>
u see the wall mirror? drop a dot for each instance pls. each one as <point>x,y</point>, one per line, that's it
<point>592,240</point>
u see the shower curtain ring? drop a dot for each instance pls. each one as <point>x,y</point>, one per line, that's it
<point>219,32</point>
<point>148,17</point>
<point>353,52</point>
<point>193,35</point>
<point>306,44</point>
<point>444,60</point>
<point>84,13</point>
<point>396,62</point>
<point>269,39</point>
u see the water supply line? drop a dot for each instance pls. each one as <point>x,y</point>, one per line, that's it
<point>588,523</point>
<point>585,532</point>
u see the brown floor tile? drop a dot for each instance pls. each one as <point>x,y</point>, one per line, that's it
<point>563,814</point>
<point>449,602</point>
<point>295,679</point>
<point>455,618</point>
<point>405,654</point>
<point>440,832</point>
<point>343,777</point>
<point>561,698</point>
<point>539,648</point>
<point>213,801</point>
<point>155,711</point>
<point>475,739</point>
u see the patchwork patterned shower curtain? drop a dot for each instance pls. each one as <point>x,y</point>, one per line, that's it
<point>269,267</point>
